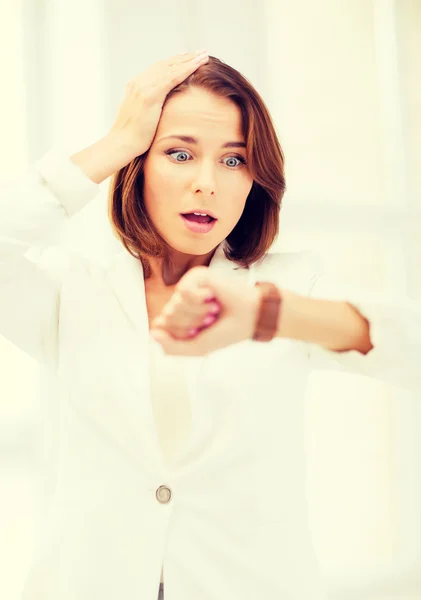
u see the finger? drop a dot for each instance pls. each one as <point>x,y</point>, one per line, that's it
<point>162,323</point>
<point>185,317</point>
<point>189,60</point>
<point>188,315</point>
<point>178,314</point>
<point>206,341</point>
<point>185,331</point>
<point>187,326</point>
<point>195,278</point>
<point>159,323</point>
<point>196,297</point>
<point>185,57</point>
<point>189,302</point>
<point>172,325</point>
<point>180,71</point>
<point>180,333</point>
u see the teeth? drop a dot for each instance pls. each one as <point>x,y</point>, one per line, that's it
<point>201,214</point>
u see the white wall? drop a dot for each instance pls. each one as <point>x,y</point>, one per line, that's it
<point>342,87</point>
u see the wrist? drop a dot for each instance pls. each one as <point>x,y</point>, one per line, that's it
<point>123,146</point>
<point>105,157</point>
<point>334,325</point>
<point>306,319</point>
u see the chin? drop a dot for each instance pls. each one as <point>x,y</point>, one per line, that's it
<point>194,247</point>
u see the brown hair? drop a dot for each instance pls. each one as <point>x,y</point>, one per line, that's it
<point>258,226</point>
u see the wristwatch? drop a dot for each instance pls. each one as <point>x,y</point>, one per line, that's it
<point>268,312</point>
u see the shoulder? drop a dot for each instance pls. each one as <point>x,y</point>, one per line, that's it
<point>297,271</point>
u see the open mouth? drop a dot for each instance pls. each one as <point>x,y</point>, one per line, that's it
<point>198,222</point>
<point>198,217</point>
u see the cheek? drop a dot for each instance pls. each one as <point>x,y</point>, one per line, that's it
<point>238,197</point>
<point>157,189</point>
<point>162,174</point>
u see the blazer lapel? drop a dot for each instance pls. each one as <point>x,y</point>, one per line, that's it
<point>126,276</point>
<point>133,426</point>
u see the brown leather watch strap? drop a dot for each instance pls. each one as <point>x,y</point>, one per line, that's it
<point>268,313</point>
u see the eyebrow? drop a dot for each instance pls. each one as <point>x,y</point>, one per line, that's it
<point>188,139</point>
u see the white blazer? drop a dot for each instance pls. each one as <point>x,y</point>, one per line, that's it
<point>229,519</point>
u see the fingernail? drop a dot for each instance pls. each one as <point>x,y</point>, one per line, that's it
<point>209,319</point>
<point>201,51</point>
<point>214,308</point>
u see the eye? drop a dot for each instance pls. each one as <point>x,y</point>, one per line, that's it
<point>184,158</point>
<point>241,160</point>
<point>182,152</point>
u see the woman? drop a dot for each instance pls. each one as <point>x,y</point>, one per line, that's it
<point>188,470</point>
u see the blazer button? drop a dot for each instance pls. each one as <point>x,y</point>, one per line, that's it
<point>163,494</point>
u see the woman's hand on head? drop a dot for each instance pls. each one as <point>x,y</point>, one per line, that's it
<point>207,312</point>
<point>139,113</point>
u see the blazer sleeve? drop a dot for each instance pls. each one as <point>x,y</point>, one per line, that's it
<point>32,210</point>
<point>395,332</point>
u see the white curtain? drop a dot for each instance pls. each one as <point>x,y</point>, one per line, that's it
<point>343,83</point>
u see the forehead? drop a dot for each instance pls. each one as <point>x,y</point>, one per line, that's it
<point>198,112</point>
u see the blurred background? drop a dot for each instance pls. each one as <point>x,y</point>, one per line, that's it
<point>342,79</point>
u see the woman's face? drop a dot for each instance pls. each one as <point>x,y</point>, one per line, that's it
<point>198,174</point>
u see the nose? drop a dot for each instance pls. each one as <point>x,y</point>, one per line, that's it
<point>204,180</point>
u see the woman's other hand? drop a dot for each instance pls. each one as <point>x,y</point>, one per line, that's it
<point>140,111</point>
<point>207,312</point>
<point>138,116</point>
